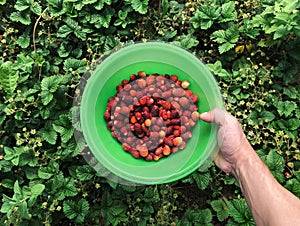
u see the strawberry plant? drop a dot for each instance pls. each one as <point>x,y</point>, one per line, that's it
<point>252,48</point>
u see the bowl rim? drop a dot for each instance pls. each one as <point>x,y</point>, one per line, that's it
<point>139,179</point>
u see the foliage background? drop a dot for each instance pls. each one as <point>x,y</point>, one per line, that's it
<point>251,46</point>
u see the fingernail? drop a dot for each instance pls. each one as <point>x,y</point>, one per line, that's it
<point>203,115</point>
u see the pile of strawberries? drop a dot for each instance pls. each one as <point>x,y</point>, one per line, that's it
<point>152,115</point>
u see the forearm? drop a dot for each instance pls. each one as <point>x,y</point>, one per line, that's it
<point>269,202</point>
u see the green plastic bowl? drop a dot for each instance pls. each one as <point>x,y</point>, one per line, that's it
<point>151,57</point>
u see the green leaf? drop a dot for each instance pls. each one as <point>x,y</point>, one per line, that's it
<point>17,189</point>
<point>13,154</point>
<point>104,21</point>
<point>46,97</point>
<point>8,77</point>
<point>57,8</point>
<point>8,205</point>
<point>7,183</point>
<point>100,4</point>
<point>164,7</point>
<point>31,173</point>
<point>78,6</point>
<point>129,188</point>
<point>205,16</point>
<point>285,107</point>
<point>36,8</point>
<point>148,209</point>
<point>249,29</point>
<point>21,5</point>
<point>65,133</point>
<point>21,16</point>
<point>37,189</point>
<point>84,206</point>
<point>62,187</point>
<point>64,31</point>
<point>56,183</point>
<point>169,35</point>
<point>236,92</point>
<point>44,173</point>
<point>63,126</point>
<point>24,40</point>
<point>228,11</point>
<point>106,200</point>
<point>275,162</point>
<point>240,212</point>
<point>50,83</point>
<point>112,211</point>
<point>64,49</point>
<point>205,217</point>
<point>72,64</point>
<point>69,188</point>
<point>111,43</point>
<point>122,16</point>
<point>28,158</point>
<point>291,92</point>
<point>72,26</point>
<point>267,116</point>
<point>140,6</point>
<point>280,32</point>
<point>217,69</point>
<point>24,210</point>
<point>297,113</point>
<point>73,148</point>
<point>231,222</point>
<point>220,206</point>
<point>219,36</point>
<point>199,217</point>
<point>202,179</point>
<point>48,171</point>
<point>209,12</point>
<point>281,16</point>
<point>2,2</point>
<point>6,166</point>
<point>49,135</point>
<point>118,208</point>
<point>151,195</point>
<point>225,47</point>
<point>76,210</point>
<point>187,41</point>
<point>230,35</point>
<point>24,63</point>
<point>84,172</point>
<point>69,208</point>
<point>293,185</point>
<point>80,34</point>
<point>86,2</point>
<point>206,24</point>
<point>293,123</point>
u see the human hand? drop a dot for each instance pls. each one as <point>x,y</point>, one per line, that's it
<point>231,139</point>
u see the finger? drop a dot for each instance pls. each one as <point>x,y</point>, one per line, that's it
<point>217,160</point>
<point>222,164</point>
<point>216,115</point>
<point>206,116</point>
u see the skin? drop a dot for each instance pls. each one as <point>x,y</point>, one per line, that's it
<point>270,203</point>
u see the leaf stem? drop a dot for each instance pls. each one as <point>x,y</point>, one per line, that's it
<point>33,35</point>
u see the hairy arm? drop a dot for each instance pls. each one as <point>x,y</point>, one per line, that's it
<point>270,203</point>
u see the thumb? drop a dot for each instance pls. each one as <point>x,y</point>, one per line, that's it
<point>216,115</point>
